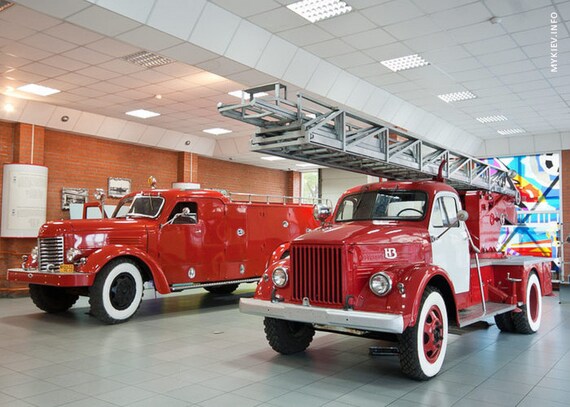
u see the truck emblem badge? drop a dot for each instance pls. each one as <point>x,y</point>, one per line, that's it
<point>390,253</point>
<point>191,272</point>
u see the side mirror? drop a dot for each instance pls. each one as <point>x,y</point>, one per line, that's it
<point>321,212</point>
<point>99,194</point>
<point>462,215</point>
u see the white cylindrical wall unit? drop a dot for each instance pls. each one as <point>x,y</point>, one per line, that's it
<point>24,200</point>
<point>185,185</point>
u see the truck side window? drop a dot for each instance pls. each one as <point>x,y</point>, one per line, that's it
<point>188,220</point>
<point>444,212</point>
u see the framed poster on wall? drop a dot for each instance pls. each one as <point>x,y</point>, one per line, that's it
<point>119,187</point>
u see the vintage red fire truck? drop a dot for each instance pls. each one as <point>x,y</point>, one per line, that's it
<point>401,258</point>
<point>171,240</point>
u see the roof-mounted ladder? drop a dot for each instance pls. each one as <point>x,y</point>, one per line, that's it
<point>314,132</point>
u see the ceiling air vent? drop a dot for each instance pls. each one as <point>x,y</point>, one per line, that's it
<point>147,59</point>
<point>4,5</point>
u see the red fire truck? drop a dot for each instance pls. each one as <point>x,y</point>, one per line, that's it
<point>398,260</point>
<point>172,240</point>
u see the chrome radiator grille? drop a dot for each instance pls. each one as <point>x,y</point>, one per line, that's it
<point>50,254</point>
<point>316,273</point>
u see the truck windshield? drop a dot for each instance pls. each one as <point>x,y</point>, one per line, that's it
<point>383,205</point>
<point>139,206</point>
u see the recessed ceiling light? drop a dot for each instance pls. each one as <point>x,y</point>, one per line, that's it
<point>509,132</point>
<point>403,63</point>
<point>9,107</point>
<point>456,96</point>
<point>38,89</point>
<point>242,95</point>
<point>491,119</point>
<point>143,114</point>
<point>307,165</point>
<point>217,131</point>
<point>272,158</point>
<point>318,10</point>
<point>147,59</point>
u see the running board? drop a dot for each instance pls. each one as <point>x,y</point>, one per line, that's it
<point>474,314</point>
<point>186,286</point>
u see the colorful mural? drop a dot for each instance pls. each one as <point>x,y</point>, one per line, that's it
<point>538,180</point>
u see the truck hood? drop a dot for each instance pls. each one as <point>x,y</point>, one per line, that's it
<point>96,233</point>
<point>375,232</point>
<point>373,243</point>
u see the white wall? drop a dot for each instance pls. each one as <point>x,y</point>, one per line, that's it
<point>335,182</point>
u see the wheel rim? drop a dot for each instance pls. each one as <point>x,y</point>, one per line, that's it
<point>533,302</point>
<point>123,291</point>
<point>433,334</point>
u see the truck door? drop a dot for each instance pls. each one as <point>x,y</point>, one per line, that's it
<point>451,250</point>
<point>189,248</point>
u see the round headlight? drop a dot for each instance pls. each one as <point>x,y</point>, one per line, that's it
<point>34,253</point>
<point>71,254</point>
<point>380,284</point>
<point>280,277</point>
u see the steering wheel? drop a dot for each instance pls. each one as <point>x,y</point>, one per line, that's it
<point>410,209</point>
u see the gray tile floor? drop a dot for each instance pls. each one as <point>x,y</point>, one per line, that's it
<point>196,349</point>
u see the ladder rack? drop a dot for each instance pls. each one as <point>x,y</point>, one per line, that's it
<point>314,132</point>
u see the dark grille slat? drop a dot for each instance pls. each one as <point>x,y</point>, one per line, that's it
<point>317,273</point>
<point>50,252</point>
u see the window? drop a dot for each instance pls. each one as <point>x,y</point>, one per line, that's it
<point>383,204</point>
<point>444,212</point>
<point>310,184</point>
<point>190,218</point>
<point>139,206</point>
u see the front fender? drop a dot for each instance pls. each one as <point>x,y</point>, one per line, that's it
<point>98,259</point>
<point>413,279</point>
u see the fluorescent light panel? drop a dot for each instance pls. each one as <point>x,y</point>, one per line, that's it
<point>143,114</point>
<point>456,96</point>
<point>491,119</point>
<point>217,131</point>
<point>318,10</point>
<point>272,158</point>
<point>242,95</point>
<point>147,59</point>
<point>403,63</point>
<point>307,165</point>
<point>509,132</point>
<point>38,89</point>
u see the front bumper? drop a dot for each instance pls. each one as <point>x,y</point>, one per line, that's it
<point>54,279</point>
<point>368,321</point>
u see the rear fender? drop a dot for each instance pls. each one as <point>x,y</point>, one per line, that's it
<point>98,259</point>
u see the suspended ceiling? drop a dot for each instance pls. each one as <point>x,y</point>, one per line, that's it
<point>218,46</point>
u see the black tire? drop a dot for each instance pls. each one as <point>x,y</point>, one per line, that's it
<point>527,321</point>
<point>288,337</point>
<point>117,292</point>
<point>52,299</point>
<point>505,322</point>
<point>222,289</point>
<point>423,346</point>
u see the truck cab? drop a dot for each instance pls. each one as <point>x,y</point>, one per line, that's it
<point>398,261</point>
<point>170,240</point>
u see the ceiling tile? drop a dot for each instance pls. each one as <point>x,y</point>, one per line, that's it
<point>493,45</point>
<point>462,16</point>
<point>350,60</point>
<point>279,19</point>
<point>59,9</point>
<point>386,78</point>
<point>88,123</point>
<point>112,47</point>
<point>359,95</point>
<point>432,6</point>
<point>505,8</point>
<point>76,79</point>
<point>526,20</point>
<point>276,57</point>
<point>430,42</point>
<point>103,21</point>
<point>323,78</point>
<point>177,17</point>
<point>477,32</point>
<point>121,66</point>
<point>215,29</point>
<point>43,69</point>
<point>137,10</point>
<point>246,8</point>
<point>347,24</point>
<point>505,69</point>
<point>330,48</point>
<point>247,44</point>
<point>369,39</point>
<point>418,27</point>
<point>64,62</point>
<point>88,56</point>
<point>343,85</point>
<point>390,51</point>
<point>149,38</point>
<point>72,33</point>
<point>48,43</point>
<point>508,56</point>
<point>365,71</point>
<point>98,73</point>
<point>393,12</point>
<point>23,51</point>
<point>301,68</point>
<point>305,35</point>
<point>13,31</point>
